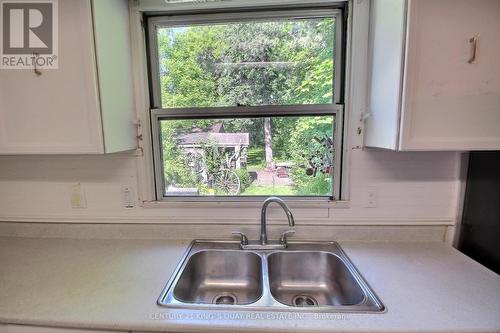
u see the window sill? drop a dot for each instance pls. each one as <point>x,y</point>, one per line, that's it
<point>257,203</point>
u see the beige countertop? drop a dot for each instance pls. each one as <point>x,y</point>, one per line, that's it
<point>114,284</point>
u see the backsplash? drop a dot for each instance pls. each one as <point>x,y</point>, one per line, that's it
<point>421,186</point>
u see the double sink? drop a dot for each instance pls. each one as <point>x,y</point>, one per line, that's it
<point>304,276</point>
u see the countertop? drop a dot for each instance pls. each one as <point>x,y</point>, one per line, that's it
<point>114,284</point>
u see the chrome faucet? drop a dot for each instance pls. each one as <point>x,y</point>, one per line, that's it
<point>263,244</point>
<point>263,229</point>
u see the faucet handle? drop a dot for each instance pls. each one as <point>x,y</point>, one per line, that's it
<point>244,238</point>
<point>284,235</point>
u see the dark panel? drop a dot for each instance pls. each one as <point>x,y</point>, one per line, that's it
<point>480,233</point>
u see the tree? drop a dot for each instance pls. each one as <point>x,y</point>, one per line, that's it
<point>250,63</point>
<point>268,138</point>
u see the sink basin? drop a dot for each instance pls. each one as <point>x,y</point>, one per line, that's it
<point>221,277</point>
<point>312,278</point>
<point>306,276</point>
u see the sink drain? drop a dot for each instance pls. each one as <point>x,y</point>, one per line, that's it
<point>225,299</point>
<point>303,300</point>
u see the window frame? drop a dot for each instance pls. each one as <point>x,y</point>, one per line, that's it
<point>157,113</point>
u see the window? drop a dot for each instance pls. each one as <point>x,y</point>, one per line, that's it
<point>246,104</point>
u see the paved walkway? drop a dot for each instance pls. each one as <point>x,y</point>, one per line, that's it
<point>269,178</point>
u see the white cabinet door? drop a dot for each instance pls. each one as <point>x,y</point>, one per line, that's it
<point>36,329</point>
<point>445,100</point>
<point>449,102</point>
<point>387,31</point>
<point>58,111</point>
<point>114,66</point>
<point>85,106</point>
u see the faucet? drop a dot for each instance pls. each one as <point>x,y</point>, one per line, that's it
<point>263,229</point>
<point>263,244</point>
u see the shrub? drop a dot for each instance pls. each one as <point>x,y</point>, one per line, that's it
<point>309,185</point>
<point>245,179</point>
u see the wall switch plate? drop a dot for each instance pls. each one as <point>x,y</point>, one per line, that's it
<point>77,196</point>
<point>371,197</point>
<point>127,196</point>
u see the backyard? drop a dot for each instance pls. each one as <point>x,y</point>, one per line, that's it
<point>282,62</point>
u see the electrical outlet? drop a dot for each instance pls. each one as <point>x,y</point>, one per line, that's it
<point>127,196</point>
<point>371,197</point>
<point>77,197</point>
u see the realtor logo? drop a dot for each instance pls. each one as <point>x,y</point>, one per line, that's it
<point>28,34</point>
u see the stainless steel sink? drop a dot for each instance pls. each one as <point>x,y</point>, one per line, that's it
<point>220,277</point>
<point>312,278</point>
<point>306,276</point>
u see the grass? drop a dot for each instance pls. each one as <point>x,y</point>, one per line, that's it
<point>269,190</point>
<point>255,158</point>
<point>255,167</point>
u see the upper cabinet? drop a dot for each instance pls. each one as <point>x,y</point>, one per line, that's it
<point>434,75</point>
<point>86,105</point>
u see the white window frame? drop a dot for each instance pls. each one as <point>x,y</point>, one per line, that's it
<point>336,108</point>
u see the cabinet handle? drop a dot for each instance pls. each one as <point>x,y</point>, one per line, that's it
<point>36,70</point>
<point>473,48</point>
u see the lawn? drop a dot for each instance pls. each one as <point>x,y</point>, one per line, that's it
<point>255,159</point>
<point>269,190</point>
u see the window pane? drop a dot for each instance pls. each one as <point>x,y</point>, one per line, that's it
<point>290,155</point>
<point>280,62</point>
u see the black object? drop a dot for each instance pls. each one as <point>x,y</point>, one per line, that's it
<point>480,230</point>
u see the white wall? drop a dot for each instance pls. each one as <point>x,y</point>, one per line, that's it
<point>411,187</point>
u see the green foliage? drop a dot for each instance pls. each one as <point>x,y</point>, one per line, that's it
<point>265,190</point>
<point>186,57</point>
<point>255,157</point>
<point>245,179</point>
<point>212,157</point>
<point>177,171</point>
<point>300,148</point>
<point>309,185</point>
<point>316,87</point>
<point>265,63</point>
